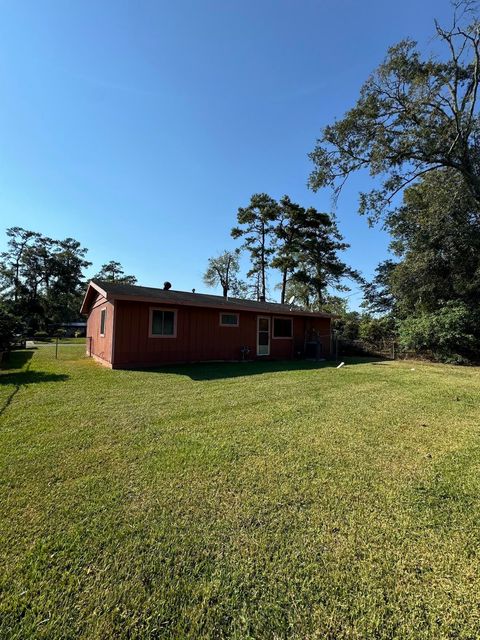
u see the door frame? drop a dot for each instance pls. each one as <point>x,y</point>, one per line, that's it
<point>269,334</point>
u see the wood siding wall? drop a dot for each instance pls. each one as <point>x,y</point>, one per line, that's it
<point>100,347</point>
<point>199,336</point>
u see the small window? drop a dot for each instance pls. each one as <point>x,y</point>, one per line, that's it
<point>103,319</point>
<point>282,327</point>
<point>229,320</point>
<point>162,323</point>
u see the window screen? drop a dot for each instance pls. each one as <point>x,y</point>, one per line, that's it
<point>163,323</point>
<point>282,328</point>
<point>229,319</point>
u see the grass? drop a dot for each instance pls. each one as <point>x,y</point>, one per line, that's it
<point>238,501</point>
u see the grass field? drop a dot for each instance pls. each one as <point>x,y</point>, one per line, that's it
<point>240,501</point>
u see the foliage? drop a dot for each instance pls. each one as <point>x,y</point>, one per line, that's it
<point>436,238</point>
<point>302,243</point>
<point>377,332</point>
<point>41,278</point>
<point>436,233</point>
<point>293,222</point>
<point>223,271</point>
<point>347,326</point>
<point>318,264</point>
<point>41,335</point>
<point>256,227</point>
<point>306,249</point>
<point>415,114</point>
<point>449,334</point>
<point>10,326</point>
<point>378,296</point>
<point>113,272</point>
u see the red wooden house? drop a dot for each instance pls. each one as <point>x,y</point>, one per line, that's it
<point>130,326</point>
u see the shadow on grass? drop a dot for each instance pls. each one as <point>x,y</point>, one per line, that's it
<point>19,379</point>
<point>16,359</point>
<point>222,370</point>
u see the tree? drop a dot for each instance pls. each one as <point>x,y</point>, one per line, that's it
<point>378,294</point>
<point>449,334</point>
<point>223,271</point>
<point>113,272</point>
<point>288,239</point>
<point>318,265</point>
<point>42,278</point>
<point>377,333</point>
<point>415,114</point>
<point>436,240</point>
<point>256,226</point>
<point>10,325</point>
<point>18,241</point>
<point>67,288</point>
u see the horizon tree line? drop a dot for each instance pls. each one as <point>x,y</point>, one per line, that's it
<point>301,243</point>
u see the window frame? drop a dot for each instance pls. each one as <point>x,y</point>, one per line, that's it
<point>282,337</point>
<point>226,313</point>
<point>103,314</point>
<point>150,323</point>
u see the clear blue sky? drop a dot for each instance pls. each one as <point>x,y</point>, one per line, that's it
<point>139,127</point>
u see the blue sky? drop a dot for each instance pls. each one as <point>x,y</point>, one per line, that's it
<point>139,127</point>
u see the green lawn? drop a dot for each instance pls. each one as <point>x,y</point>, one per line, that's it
<point>238,501</point>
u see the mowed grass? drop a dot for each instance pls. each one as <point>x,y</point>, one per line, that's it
<point>238,501</point>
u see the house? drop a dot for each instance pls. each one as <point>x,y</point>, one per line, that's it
<point>70,328</point>
<point>130,326</point>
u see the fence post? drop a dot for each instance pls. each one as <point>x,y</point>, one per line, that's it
<point>56,348</point>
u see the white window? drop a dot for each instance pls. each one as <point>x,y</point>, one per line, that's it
<point>163,323</point>
<point>103,320</point>
<point>282,327</point>
<point>229,320</point>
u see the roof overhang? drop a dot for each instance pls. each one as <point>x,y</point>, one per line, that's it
<point>92,289</point>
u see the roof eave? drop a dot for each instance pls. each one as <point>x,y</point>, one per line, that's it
<point>84,309</point>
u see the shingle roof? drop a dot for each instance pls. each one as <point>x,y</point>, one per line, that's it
<point>127,291</point>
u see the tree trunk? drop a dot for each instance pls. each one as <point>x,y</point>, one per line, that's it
<point>264,287</point>
<point>284,286</point>
<point>226,284</point>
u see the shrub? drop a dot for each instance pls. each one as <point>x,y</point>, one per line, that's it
<point>41,335</point>
<point>447,334</point>
<point>10,326</point>
<point>377,332</point>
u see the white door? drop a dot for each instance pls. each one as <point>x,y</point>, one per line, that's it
<point>263,336</point>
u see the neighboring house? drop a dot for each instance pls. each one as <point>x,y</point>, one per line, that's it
<point>130,326</point>
<point>70,328</point>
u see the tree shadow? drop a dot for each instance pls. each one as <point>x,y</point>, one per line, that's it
<point>19,379</point>
<point>222,370</point>
<point>17,359</point>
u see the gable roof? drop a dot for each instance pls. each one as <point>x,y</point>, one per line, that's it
<point>119,291</point>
